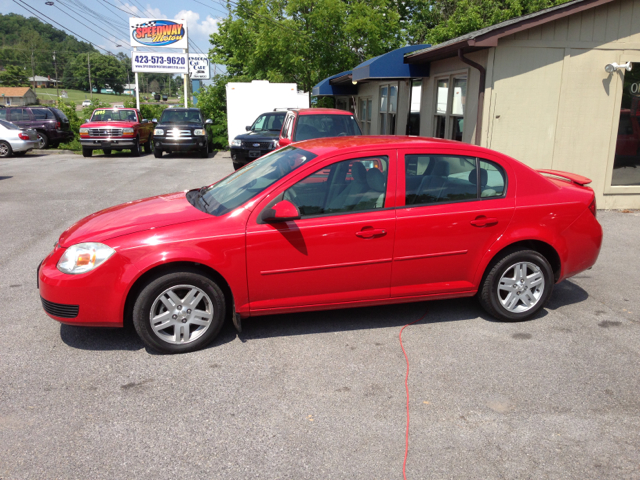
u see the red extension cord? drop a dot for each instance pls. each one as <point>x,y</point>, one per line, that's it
<point>406,386</point>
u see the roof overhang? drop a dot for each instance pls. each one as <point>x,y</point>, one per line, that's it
<point>391,66</point>
<point>488,37</point>
<point>335,85</point>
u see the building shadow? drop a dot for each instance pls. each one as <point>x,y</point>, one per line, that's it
<point>325,321</point>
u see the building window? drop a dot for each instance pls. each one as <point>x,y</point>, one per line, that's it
<point>365,104</point>
<point>345,103</point>
<point>388,109</point>
<point>413,125</point>
<point>627,156</point>
<point>450,107</point>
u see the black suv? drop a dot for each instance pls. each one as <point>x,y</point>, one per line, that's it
<point>262,138</point>
<point>181,130</point>
<point>51,125</point>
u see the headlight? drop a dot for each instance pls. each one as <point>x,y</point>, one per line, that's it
<point>236,143</point>
<point>84,257</point>
<point>84,130</point>
<point>158,131</point>
<point>127,130</point>
<point>199,131</point>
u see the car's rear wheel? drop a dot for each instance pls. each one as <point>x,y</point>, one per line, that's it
<point>179,312</point>
<point>43,140</point>
<point>5,150</point>
<point>157,153</point>
<point>107,151</point>
<point>517,286</point>
<point>87,152</point>
<point>148,147</point>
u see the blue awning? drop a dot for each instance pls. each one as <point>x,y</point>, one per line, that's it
<point>391,65</point>
<point>324,88</point>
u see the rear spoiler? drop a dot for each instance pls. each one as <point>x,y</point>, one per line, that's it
<point>574,178</point>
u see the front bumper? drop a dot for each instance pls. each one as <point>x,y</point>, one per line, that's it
<point>244,155</point>
<point>102,143</point>
<point>92,299</point>
<point>23,145</point>
<point>180,145</point>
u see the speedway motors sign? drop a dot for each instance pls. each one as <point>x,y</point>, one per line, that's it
<point>159,62</point>
<point>151,32</point>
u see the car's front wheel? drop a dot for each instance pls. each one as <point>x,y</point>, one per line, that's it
<point>87,152</point>
<point>517,286</point>
<point>157,153</point>
<point>179,312</point>
<point>136,150</point>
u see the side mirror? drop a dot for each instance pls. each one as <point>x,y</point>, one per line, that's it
<point>247,128</point>
<point>88,120</point>
<point>155,120</point>
<point>208,121</point>
<point>284,142</point>
<point>144,120</point>
<point>283,211</point>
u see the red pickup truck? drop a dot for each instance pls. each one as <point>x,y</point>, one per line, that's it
<point>116,129</point>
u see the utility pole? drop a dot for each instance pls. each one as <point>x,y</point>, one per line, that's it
<point>90,86</point>
<point>55,64</point>
<point>33,73</point>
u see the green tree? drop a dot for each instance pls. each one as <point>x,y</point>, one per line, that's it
<point>105,70</point>
<point>14,76</point>
<point>212,101</point>
<point>304,41</point>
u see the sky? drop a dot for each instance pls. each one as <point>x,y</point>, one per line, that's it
<point>202,18</point>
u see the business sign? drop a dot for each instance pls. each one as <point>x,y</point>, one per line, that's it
<point>159,62</point>
<point>199,67</point>
<point>150,32</point>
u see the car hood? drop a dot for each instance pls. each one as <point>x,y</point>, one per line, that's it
<point>132,217</point>
<point>258,136</point>
<point>116,124</point>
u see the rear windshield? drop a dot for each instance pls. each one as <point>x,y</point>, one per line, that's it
<point>319,126</point>
<point>9,125</point>
<point>180,116</point>
<point>114,115</point>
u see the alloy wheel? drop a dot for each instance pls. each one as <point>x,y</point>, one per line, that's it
<point>520,287</point>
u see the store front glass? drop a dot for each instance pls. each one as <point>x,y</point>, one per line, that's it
<point>626,165</point>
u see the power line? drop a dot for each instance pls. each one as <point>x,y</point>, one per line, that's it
<point>102,18</point>
<point>115,43</point>
<point>65,28</point>
<point>210,7</point>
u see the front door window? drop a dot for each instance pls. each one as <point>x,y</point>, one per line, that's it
<point>627,155</point>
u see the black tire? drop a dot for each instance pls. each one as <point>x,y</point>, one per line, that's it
<point>43,140</point>
<point>237,166</point>
<point>148,147</point>
<point>5,149</point>
<point>87,152</point>
<point>157,153</point>
<point>491,298</point>
<point>107,151</point>
<point>136,150</point>
<point>209,295</point>
<point>204,153</point>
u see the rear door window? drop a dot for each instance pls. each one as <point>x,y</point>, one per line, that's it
<point>19,115</point>
<point>42,114</point>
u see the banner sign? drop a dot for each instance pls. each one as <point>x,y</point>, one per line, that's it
<point>150,32</point>
<point>159,62</point>
<point>199,67</point>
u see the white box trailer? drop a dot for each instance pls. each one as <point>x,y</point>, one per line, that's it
<point>247,100</point>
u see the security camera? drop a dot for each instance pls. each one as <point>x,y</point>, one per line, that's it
<point>612,67</point>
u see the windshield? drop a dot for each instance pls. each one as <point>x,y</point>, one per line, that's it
<point>9,125</point>
<point>246,183</point>
<point>180,116</point>
<point>114,116</point>
<point>270,122</point>
<point>320,126</point>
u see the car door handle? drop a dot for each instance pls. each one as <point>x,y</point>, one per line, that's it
<point>371,232</point>
<point>483,221</point>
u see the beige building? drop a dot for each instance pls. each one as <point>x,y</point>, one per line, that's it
<point>17,96</point>
<point>534,88</point>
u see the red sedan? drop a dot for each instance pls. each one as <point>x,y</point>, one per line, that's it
<point>323,224</point>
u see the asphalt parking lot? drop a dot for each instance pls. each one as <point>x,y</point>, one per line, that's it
<point>316,395</point>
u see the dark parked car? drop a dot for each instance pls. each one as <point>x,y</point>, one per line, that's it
<point>181,130</point>
<point>50,124</point>
<point>260,139</point>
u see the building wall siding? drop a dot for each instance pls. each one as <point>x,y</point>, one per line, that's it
<point>550,103</point>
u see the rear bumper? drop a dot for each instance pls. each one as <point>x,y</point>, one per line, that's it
<point>102,143</point>
<point>23,145</point>
<point>181,145</point>
<point>583,240</point>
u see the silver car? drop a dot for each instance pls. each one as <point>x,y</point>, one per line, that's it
<point>15,140</point>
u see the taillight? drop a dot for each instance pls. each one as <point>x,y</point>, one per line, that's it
<point>592,207</point>
<point>58,125</point>
<point>23,136</point>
